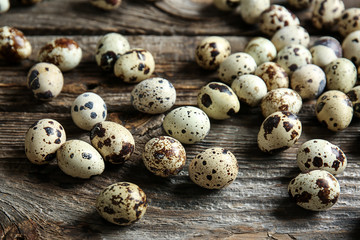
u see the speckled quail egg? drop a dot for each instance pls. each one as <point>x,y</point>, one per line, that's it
<point>278,132</point>
<point>214,168</point>
<point>187,124</point>
<point>281,99</point>
<point>354,95</point>
<point>14,46</point>
<point>114,142</point>
<point>276,17</point>
<point>235,65</point>
<point>273,75</point>
<point>334,110</point>
<point>43,139</point>
<point>63,52</point>
<point>218,101</point>
<point>322,55</point>
<point>134,65</point>
<point>4,6</point>
<point>326,13</point>
<point>106,4</point>
<point>122,203</point>
<point>309,81</point>
<point>293,56</point>
<point>212,51</point>
<point>29,2</point>
<point>317,190</point>
<point>109,48</point>
<point>87,110</point>
<point>249,89</point>
<point>226,5</point>
<point>79,159</point>
<point>330,42</point>
<point>349,21</point>
<point>261,49</point>
<point>341,75</point>
<point>290,35</point>
<point>300,4</point>
<point>351,47</point>
<point>319,154</point>
<point>153,96</point>
<point>164,156</point>
<point>45,81</point>
<point>251,10</point>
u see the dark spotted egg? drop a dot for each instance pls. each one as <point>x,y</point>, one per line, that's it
<point>218,100</point>
<point>14,46</point>
<point>341,74</point>
<point>4,6</point>
<point>351,47</point>
<point>354,95</point>
<point>153,96</point>
<point>45,81</point>
<point>109,48</point>
<point>278,132</point>
<point>214,168</point>
<point>43,139</point>
<point>349,21</point>
<point>63,52</point>
<point>114,142</point>
<point>326,13</point>
<point>106,4</point>
<point>164,156</point>
<point>187,124</point>
<point>212,51</point>
<point>293,56</point>
<point>79,159</point>
<point>317,190</point>
<point>322,155</point>
<point>87,110</point>
<point>134,65</point>
<point>122,203</point>
<point>273,75</point>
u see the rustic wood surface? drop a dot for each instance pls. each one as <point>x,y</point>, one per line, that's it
<point>41,202</point>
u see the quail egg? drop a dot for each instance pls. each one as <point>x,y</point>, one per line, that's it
<point>290,35</point>
<point>341,75</point>
<point>187,124</point>
<point>308,81</point>
<point>114,142</point>
<point>281,99</point>
<point>276,17</point>
<point>330,42</point>
<point>322,55</point>
<point>214,168</point>
<point>326,13</point>
<point>14,46</point>
<point>45,81</point>
<point>134,65</point>
<point>317,190</point>
<point>109,48</point>
<point>235,65</point>
<point>273,75</point>
<point>351,47</point>
<point>42,140</point>
<point>293,56</point>
<point>251,10</point>
<point>226,5</point>
<point>349,21</point>
<point>334,110</point>
<point>249,89</point>
<point>87,110</point>
<point>278,132</point>
<point>79,159</point>
<point>153,96</point>
<point>106,4</point>
<point>122,203</point>
<point>261,49</point>
<point>4,6</point>
<point>164,156</point>
<point>354,95</point>
<point>212,51</point>
<point>63,52</point>
<point>218,101</point>
<point>321,155</point>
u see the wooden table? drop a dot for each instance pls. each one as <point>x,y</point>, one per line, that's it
<point>42,202</point>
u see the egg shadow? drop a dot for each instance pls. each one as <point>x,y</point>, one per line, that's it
<point>287,210</point>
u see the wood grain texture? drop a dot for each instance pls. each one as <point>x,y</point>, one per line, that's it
<point>41,202</point>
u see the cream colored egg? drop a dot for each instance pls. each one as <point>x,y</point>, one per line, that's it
<point>4,6</point>
<point>290,35</point>
<point>351,47</point>
<point>322,55</point>
<point>341,74</point>
<point>252,9</point>
<point>261,49</point>
<point>249,89</point>
<point>14,46</point>
<point>349,21</point>
<point>326,13</point>
<point>293,56</point>
<point>273,75</point>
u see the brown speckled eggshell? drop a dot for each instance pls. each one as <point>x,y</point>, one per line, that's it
<point>326,13</point>
<point>164,156</point>
<point>122,203</point>
<point>349,21</point>
<point>354,95</point>
<point>114,142</point>
<point>214,168</point>
<point>317,190</point>
<point>273,75</point>
<point>14,46</point>
<point>292,57</point>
